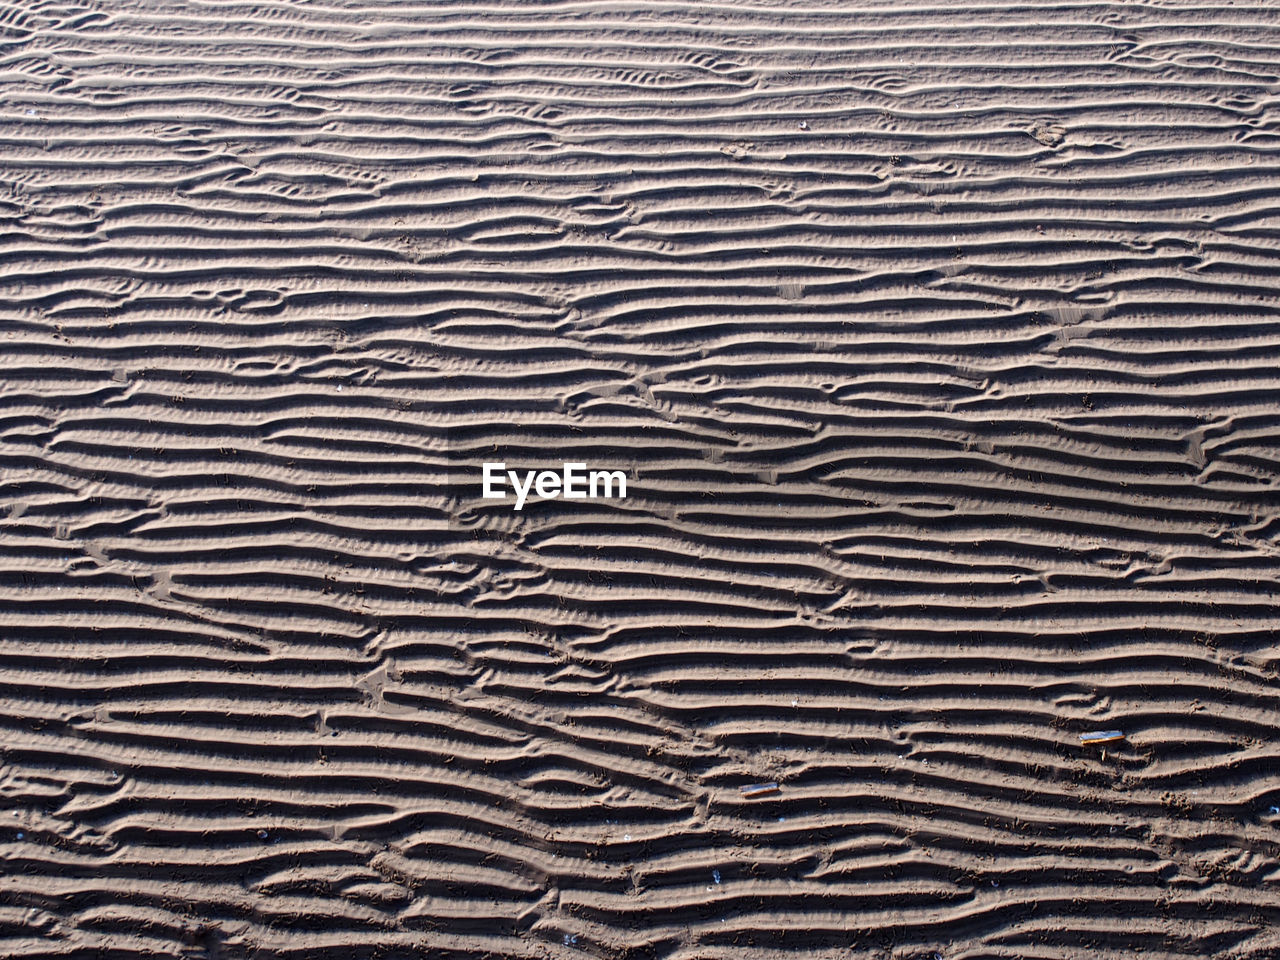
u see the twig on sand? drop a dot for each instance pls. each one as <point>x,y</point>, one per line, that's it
<point>1101,736</point>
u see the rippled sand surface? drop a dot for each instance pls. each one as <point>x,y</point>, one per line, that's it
<point>939,344</point>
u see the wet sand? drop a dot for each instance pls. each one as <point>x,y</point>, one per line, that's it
<point>939,347</point>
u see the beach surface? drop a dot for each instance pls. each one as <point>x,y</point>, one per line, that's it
<point>937,344</point>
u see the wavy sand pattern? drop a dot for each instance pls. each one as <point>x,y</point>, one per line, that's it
<point>941,347</point>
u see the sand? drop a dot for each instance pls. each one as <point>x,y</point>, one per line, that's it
<point>938,343</point>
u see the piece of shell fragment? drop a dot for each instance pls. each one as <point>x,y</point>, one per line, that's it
<point>759,790</point>
<point>1101,736</point>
